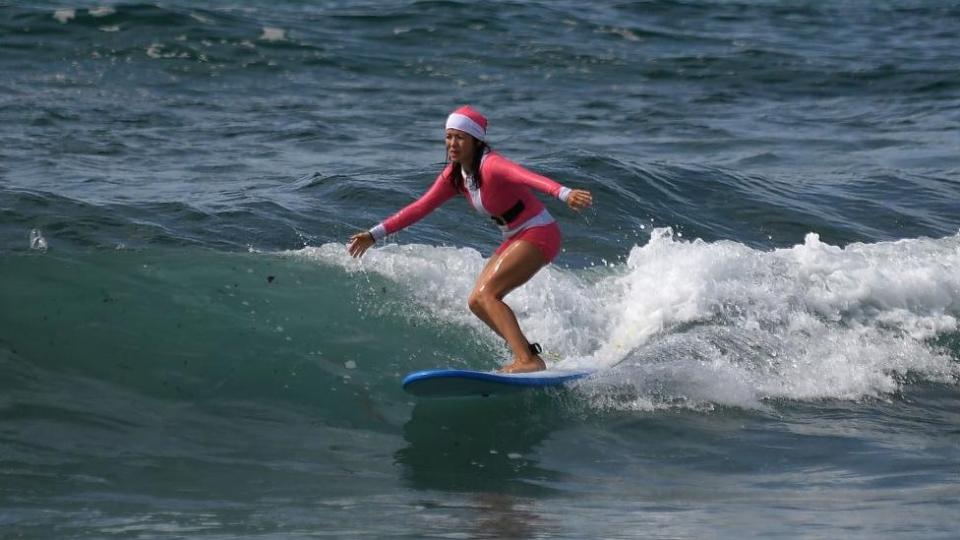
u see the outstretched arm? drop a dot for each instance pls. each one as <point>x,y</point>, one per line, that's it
<point>440,192</point>
<point>577,199</point>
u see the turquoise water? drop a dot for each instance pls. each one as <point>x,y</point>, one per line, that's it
<point>769,277</point>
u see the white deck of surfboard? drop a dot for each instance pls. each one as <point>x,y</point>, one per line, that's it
<point>463,382</point>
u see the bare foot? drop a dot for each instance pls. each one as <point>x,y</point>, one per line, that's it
<point>530,364</point>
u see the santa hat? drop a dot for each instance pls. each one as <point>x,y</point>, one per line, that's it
<point>468,120</point>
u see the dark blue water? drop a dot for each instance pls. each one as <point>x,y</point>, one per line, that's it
<point>770,277</point>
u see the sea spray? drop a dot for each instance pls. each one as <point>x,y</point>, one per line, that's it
<point>694,322</point>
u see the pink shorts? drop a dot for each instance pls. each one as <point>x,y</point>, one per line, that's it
<point>546,238</point>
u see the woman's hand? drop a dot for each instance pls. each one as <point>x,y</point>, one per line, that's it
<point>579,199</point>
<point>360,243</point>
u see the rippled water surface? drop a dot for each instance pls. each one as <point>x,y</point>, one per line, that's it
<point>769,278</point>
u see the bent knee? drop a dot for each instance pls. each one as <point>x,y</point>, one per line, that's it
<point>474,302</point>
<point>479,301</point>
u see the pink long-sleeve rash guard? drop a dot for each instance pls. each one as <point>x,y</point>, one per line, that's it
<point>504,183</point>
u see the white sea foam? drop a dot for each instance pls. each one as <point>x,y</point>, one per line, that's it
<point>694,323</point>
<point>158,50</point>
<point>65,15</point>
<point>102,11</point>
<point>273,34</point>
<point>37,241</point>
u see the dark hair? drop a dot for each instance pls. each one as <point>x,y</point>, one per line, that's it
<point>456,173</point>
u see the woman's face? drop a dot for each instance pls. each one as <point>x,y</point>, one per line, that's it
<point>461,146</point>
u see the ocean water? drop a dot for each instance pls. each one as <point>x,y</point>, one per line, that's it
<point>770,276</point>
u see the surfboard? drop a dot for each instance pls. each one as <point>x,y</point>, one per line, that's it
<point>464,382</point>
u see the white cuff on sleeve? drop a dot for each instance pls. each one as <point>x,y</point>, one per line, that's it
<point>378,232</point>
<point>564,194</point>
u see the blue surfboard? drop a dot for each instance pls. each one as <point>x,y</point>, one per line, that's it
<point>463,382</point>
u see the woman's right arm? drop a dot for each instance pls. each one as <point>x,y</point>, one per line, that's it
<point>440,192</point>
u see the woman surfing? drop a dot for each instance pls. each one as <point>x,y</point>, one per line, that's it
<point>503,191</point>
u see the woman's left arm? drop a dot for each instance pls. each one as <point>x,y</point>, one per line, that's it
<point>575,198</point>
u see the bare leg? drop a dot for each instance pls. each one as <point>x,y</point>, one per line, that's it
<point>514,267</point>
<point>474,305</point>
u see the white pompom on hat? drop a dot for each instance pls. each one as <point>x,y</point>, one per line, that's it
<point>468,120</point>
